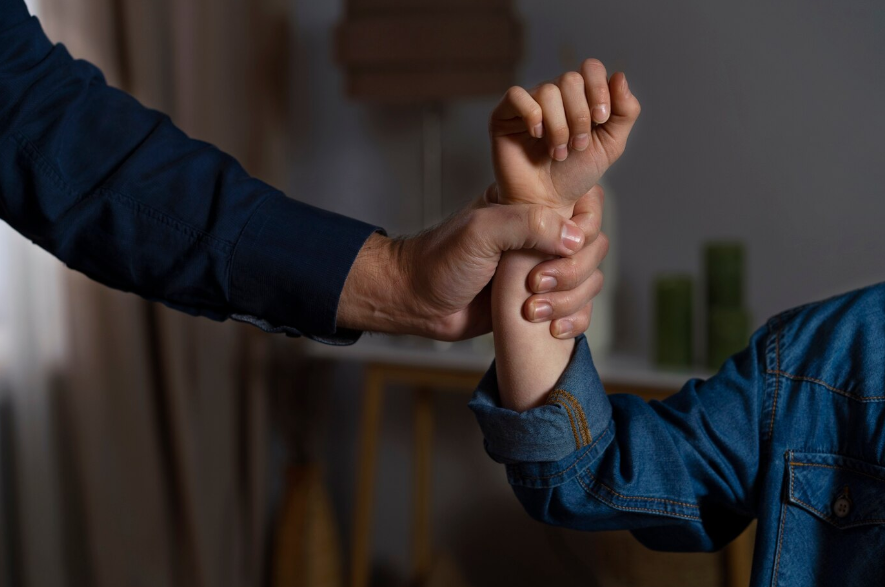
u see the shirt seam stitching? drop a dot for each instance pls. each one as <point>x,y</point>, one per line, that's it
<point>29,150</point>
<point>236,244</point>
<point>643,498</point>
<point>843,392</point>
<point>635,509</point>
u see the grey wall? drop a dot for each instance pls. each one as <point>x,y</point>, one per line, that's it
<point>761,121</point>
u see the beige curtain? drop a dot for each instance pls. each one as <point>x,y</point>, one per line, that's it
<point>162,417</point>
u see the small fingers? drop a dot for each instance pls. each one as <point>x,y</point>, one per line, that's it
<point>577,110</point>
<point>517,112</point>
<point>597,89</point>
<point>556,128</point>
<point>625,111</point>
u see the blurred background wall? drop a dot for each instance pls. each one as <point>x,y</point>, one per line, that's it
<point>761,121</point>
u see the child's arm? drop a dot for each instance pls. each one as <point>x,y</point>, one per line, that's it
<point>528,359</point>
<point>550,145</point>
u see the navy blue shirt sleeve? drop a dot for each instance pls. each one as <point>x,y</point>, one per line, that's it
<point>680,474</point>
<point>116,191</point>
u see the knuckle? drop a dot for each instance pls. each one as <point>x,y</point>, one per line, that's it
<point>582,118</point>
<point>600,91</point>
<point>582,321</point>
<point>549,91</point>
<point>513,93</point>
<point>537,221</point>
<point>604,243</point>
<point>592,65</point>
<point>560,131</point>
<point>571,272</point>
<point>571,78</point>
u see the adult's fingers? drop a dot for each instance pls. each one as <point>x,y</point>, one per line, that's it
<point>587,213</point>
<point>577,110</point>
<point>561,304</point>
<point>496,229</point>
<point>556,129</point>
<point>597,88</point>
<point>573,325</point>
<point>568,273</point>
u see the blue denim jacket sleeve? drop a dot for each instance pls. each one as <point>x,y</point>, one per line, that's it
<point>117,192</point>
<point>680,474</point>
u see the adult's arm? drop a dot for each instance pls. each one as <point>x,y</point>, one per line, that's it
<point>116,191</point>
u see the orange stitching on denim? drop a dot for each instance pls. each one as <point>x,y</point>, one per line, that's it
<point>570,467</point>
<point>661,499</point>
<point>853,470</point>
<point>586,437</point>
<point>580,411</point>
<point>634,509</point>
<point>554,399</point>
<point>777,380</point>
<point>846,393</point>
<point>571,420</point>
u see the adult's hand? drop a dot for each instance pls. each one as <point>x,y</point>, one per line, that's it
<point>435,284</point>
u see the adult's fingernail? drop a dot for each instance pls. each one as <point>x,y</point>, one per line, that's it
<point>538,130</point>
<point>560,152</point>
<point>545,283</point>
<point>562,328</point>
<point>572,237</point>
<point>541,310</point>
<point>600,113</point>
<point>626,86</point>
<point>581,142</point>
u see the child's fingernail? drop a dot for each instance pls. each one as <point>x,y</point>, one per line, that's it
<point>541,310</point>
<point>581,142</point>
<point>562,328</point>
<point>600,113</point>
<point>538,130</point>
<point>560,152</point>
<point>626,86</point>
<point>545,283</point>
<point>572,237</point>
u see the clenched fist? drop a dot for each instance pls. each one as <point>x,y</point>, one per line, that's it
<point>553,143</point>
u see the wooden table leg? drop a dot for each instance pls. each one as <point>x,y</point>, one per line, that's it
<point>423,471</point>
<point>367,449</point>
<point>739,558</point>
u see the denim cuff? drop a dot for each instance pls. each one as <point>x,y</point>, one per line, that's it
<point>576,414</point>
<point>289,267</point>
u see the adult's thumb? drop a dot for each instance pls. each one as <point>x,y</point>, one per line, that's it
<point>527,226</point>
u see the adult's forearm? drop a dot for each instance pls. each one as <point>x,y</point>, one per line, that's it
<point>375,293</point>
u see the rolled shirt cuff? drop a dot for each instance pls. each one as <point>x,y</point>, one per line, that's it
<point>575,416</point>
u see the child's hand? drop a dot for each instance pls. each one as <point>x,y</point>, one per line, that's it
<point>552,144</point>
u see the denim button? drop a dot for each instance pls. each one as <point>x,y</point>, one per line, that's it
<point>842,506</point>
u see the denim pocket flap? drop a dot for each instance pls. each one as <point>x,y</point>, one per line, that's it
<point>843,491</point>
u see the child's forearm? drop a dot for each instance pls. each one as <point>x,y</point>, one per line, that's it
<point>528,360</point>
